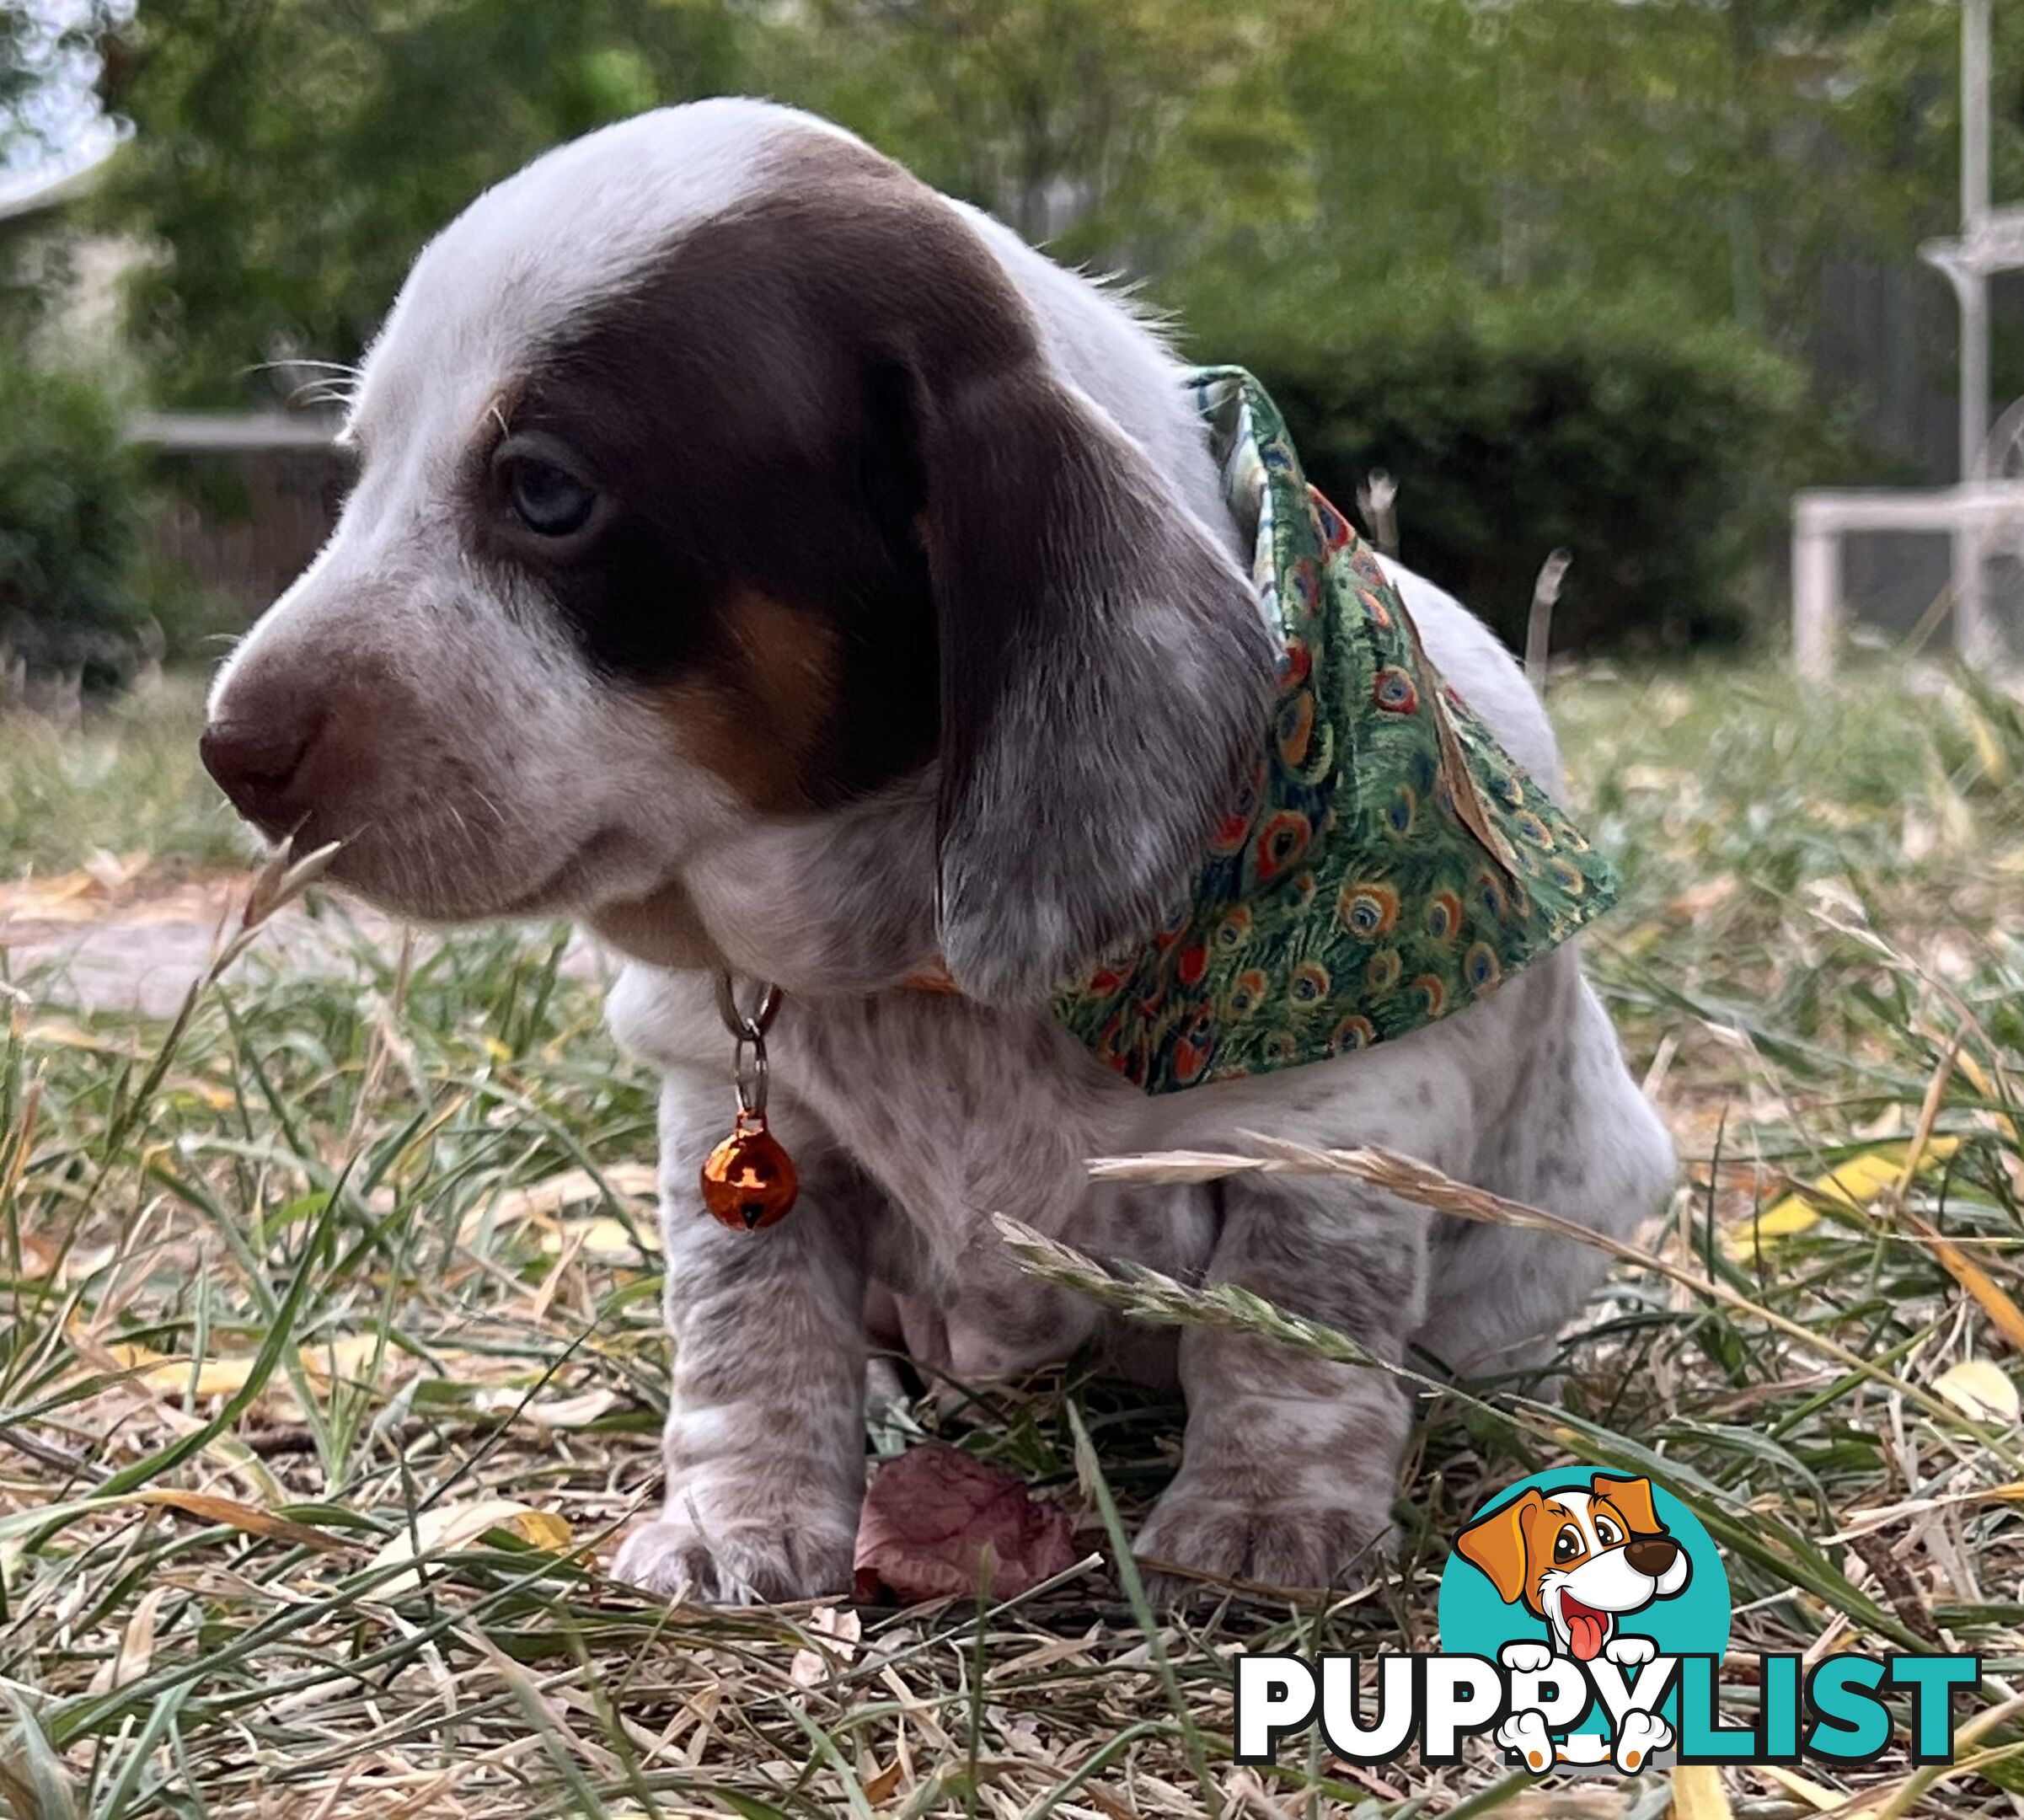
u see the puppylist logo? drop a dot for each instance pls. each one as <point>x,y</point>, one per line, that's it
<point>1584,1614</point>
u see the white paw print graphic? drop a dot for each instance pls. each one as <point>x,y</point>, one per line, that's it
<point>1525,1732</point>
<point>1636,1738</point>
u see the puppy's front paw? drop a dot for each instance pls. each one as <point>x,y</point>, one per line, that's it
<point>1630,1651</point>
<point>737,1564</point>
<point>1525,1659</point>
<point>1271,1545</point>
<point>1638,1734</point>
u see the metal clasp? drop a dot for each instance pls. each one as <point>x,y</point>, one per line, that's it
<point>748,1034</point>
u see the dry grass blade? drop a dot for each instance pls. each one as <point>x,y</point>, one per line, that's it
<point>1424,1185</point>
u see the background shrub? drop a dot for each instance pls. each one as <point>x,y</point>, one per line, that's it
<point>1656,451</point>
<point>78,589</point>
<point>72,520</point>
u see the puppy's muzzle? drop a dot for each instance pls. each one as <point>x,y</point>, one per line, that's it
<point>1651,1555</point>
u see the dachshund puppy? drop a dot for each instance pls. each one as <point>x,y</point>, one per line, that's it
<point>786,571</point>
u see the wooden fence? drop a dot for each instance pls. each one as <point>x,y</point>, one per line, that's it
<point>246,500</point>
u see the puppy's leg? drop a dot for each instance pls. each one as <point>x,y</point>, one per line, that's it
<point>1291,1462</point>
<point>1576,1136</point>
<point>765,1437</point>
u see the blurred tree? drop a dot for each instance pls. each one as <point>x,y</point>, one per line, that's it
<point>1113,129</point>
<point>291,156</point>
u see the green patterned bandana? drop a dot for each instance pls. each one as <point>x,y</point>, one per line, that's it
<point>1386,863</point>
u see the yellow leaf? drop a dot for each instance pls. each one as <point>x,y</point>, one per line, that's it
<point>1855,1183</point>
<point>1979,1390</point>
<point>449,1527</point>
<point>171,1377</point>
<point>1995,762</point>
<point>1698,1793</point>
<point>226,1374</point>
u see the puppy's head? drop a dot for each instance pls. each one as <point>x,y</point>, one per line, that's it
<point>1579,1557</point>
<point>712,472</point>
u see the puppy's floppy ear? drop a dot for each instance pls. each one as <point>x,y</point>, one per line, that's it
<point>1633,1497</point>
<point>1496,1544</point>
<point>1104,679</point>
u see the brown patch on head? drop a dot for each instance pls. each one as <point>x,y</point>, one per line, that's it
<point>756,710</point>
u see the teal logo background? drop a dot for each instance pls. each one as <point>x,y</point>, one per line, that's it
<point>1475,1621</point>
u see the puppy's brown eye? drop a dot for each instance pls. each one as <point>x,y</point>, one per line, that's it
<point>1607,1532</point>
<point>1567,1544</point>
<point>547,502</point>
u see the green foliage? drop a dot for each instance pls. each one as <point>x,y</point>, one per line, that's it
<point>292,157</point>
<point>1649,447</point>
<point>71,522</point>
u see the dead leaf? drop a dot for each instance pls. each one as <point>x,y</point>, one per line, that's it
<point>207,1507</point>
<point>1816,1794</point>
<point>836,1632</point>
<point>136,1645</point>
<point>449,1527</point>
<point>542,1200</point>
<point>347,1355</point>
<point>1979,1390</point>
<point>879,1789</point>
<point>932,1512</point>
<point>578,1411</point>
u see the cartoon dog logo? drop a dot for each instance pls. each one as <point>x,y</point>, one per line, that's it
<point>1581,1559</point>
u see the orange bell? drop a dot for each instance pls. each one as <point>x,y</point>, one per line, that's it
<point>748,1180</point>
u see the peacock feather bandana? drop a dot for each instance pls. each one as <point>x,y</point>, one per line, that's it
<point>1386,864</point>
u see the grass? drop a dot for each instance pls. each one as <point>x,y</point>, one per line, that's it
<point>288,1288</point>
<point>127,784</point>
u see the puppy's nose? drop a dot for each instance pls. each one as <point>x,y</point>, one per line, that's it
<point>255,759</point>
<point>1651,1555</point>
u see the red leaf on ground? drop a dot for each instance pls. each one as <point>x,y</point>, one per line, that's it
<point>930,1514</point>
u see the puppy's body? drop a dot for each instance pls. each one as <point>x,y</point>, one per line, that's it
<point>912,625</point>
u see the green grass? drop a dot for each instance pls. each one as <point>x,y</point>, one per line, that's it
<point>320,1183</point>
<point>127,783</point>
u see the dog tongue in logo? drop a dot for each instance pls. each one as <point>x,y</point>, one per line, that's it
<point>1587,1628</point>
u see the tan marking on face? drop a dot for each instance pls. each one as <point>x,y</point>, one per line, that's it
<point>754,714</point>
<point>495,422</point>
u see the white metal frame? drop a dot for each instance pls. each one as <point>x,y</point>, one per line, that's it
<point>1992,241</point>
<point>1975,515</point>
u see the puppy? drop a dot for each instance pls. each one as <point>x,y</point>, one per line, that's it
<point>788,571</point>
